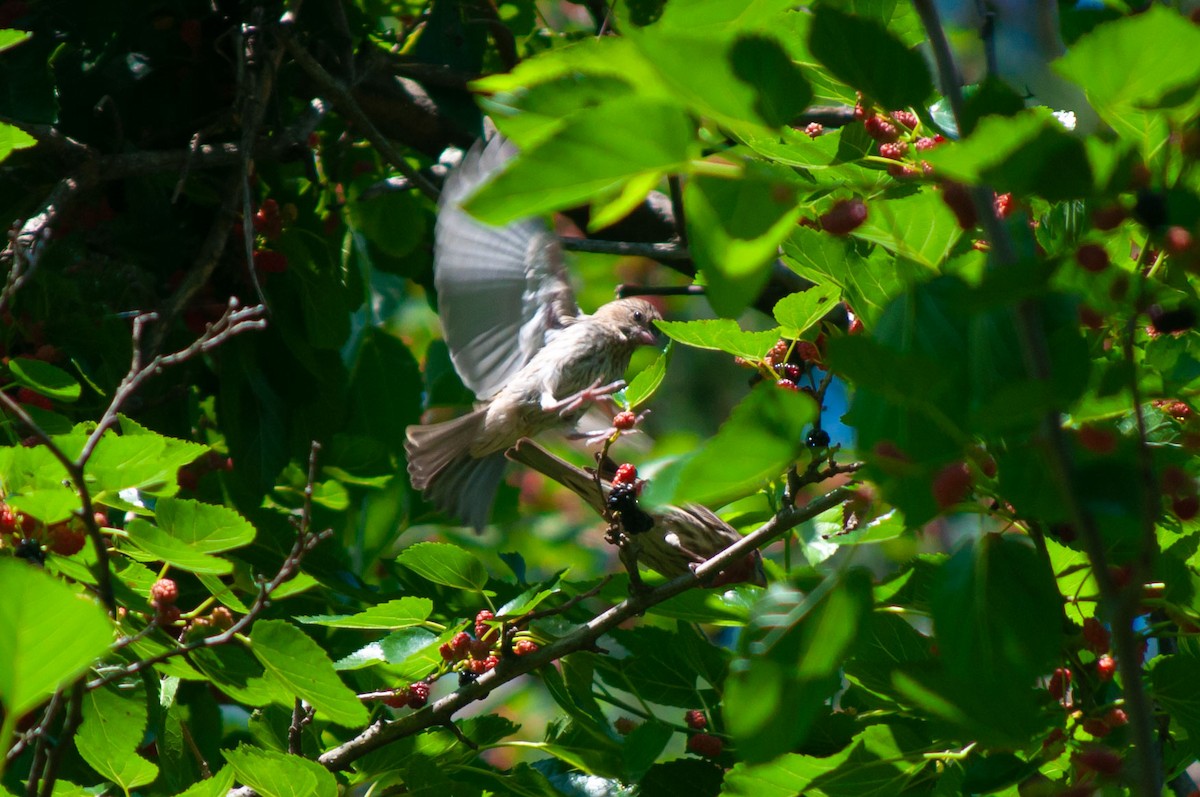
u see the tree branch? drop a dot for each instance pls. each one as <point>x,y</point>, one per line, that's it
<point>383,732</point>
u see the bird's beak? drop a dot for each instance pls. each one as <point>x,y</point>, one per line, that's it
<point>648,337</point>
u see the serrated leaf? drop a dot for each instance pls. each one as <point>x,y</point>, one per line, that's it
<point>862,53</point>
<point>595,151</point>
<point>112,731</point>
<point>162,546</point>
<point>37,656</point>
<point>720,334</point>
<point>395,648</point>
<point>210,528</point>
<point>445,564</point>
<point>1029,152</point>
<point>399,613</point>
<point>273,774</point>
<point>791,654</point>
<point>12,138</point>
<point>44,378</point>
<point>10,38</point>
<point>799,311</point>
<point>761,439</point>
<point>735,227</point>
<point>299,663</point>
<point>1121,75</point>
<point>643,386</point>
<point>216,786</point>
<point>920,228</point>
<point>146,461</point>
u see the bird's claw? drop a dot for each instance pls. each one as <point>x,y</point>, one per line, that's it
<point>593,393</point>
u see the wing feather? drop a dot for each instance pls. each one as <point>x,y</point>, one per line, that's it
<point>501,290</point>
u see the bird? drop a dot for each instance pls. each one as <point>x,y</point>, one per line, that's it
<point>669,540</point>
<point>517,340</point>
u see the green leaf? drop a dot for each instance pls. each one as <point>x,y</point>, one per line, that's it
<point>39,654</point>
<point>162,546</point>
<point>112,731</point>
<point>737,81</point>
<point>763,436</point>
<point>722,334</point>
<point>392,221</point>
<point>723,16</point>
<point>305,670</point>
<point>867,281</point>
<point>396,648</point>
<point>12,138</point>
<point>1029,152</point>
<point>385,389</point>
<point>873,766</point>
<point>216,786</point>
<point>210,528</point>
<point>596,150</point>
<point>44,378</point>
<point>399,613</point>
<point>643,386</point>
<point>1176,684</point>
<point>141,458</point>
<point>657,668</point>
<point>273,774</point>
<point>862,53</point>
<point>997,612</point>
<point>734,229</point>
<point>919,227</point>
<point>11,38</point>
<point>1121,75</point>
<point>792,654</point>
<point>445,564</point>
<point>799,311</point>
<point>49,506</point>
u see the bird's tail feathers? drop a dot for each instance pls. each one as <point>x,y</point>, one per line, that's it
<point>440,464</point>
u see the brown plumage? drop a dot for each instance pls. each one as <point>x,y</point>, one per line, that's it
<point>516,338</point>
<point>677,537</point>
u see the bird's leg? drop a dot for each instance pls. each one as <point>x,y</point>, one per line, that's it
<point>592,393</point>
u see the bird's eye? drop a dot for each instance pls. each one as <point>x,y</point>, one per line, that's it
<point>638,317</point>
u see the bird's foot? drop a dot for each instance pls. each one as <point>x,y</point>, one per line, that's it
<point>593,393</point>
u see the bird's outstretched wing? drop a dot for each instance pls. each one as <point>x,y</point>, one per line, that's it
<point>501,290</point>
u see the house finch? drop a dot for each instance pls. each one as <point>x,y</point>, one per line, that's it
<point>517,339</point>
<point>668,540</point>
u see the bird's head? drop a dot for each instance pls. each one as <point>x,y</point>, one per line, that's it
<point>633,318</point>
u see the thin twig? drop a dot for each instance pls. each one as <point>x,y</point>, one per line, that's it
<point>341,97</point>
<point>302,714</point>
<point>656,251</point>
<point>303,544</point>
<point>563,608</point>
<point>65,739</point>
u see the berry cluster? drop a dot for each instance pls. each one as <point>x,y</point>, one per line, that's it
<point>701,743</point>
<point>898,133</point>
<point>623,500</point>
<point>268,223</point>
<point>472,656</point>
<point>163,594</point>
<point>32,539</point>
<point>415,695</point>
